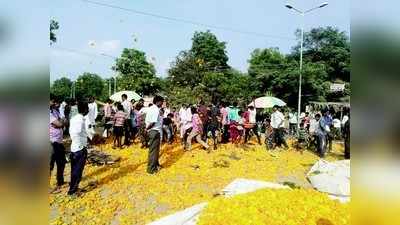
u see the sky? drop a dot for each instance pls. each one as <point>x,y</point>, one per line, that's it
<point>91,30</point>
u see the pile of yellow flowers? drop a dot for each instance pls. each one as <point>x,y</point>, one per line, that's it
<point>276,207</point>
<point>123,193</point>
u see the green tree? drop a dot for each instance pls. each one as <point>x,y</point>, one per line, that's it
<point>90,84</point>
<point>207,54</point>
<point>61,88</point>
<point>208,50</point>
<point>265,65</point>
<point>136,73</point>
<point>329,46</point>
<point>53,27</point>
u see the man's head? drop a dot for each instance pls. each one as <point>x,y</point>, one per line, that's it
<point>317,116</point>
<point>324,112</point>
<point>251,108</point>
<point>124,97</point>
<point>83,108</point>
<point>170,115</point>
<point>158,101</point>
<point>235,104</point>
<point>268,122</point>
<point>91,99</point>
<point>275,108</point>
<point>109,101</point>
<point>193,110</point>
<point>120,107</point>
<point>307,113</point>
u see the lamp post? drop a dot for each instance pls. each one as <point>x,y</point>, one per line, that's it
<point>302,13</point>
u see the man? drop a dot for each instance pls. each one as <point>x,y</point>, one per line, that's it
<point>233,113</point>
<point>346,135</point>
<point>91,117</point>
<point>277,119</point>
<point>292,122</point>
<point>329,121</point>
<point>78,155</point>
<point>322,133</point>
<point>252,125</point>
<point>56,126</point>
<point>108,114</point>
<point>214,125</point>
<point>127,126</point>
<point>203,114</point>
<point>154,128</point>
<point>224,123</point>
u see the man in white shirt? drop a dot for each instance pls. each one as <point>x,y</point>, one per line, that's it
<point>127,126</point>
<point>154,128</point>
<point>182,112</point>
<point>78,133</point>
<point>92,114</point>
<point>292,122</point>
<point>277,120</point>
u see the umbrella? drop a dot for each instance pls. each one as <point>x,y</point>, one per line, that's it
<point>117,97</point>
<point>267,102</point>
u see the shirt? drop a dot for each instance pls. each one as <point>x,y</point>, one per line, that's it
<point>153,116</point>
<point>292,118</point>
<point>92,115</point>
<point>252,116</point>
<point>107,110</point>
<point>196,123</point>
<point>127,108</point>
<point>277,119</point>
<point>224,114</point>
<point>56,134</point>
<point>203,113</point>
<point>344,120</point>
<point>336,123</point>
<point>119,118</point>
<point>233,114</point>
<point>78,133</point>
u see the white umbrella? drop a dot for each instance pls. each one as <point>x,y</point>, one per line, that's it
<point>117,97</point>
<point>267,102</point>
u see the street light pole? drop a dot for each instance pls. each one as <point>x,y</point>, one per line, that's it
<point>302,14</point>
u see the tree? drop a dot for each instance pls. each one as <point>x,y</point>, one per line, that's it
<point>329,46</point>
<point>265,65</point>
<point>208,50</point>
<point>90,84</point>
<point>186,70</point>
<point>53,27</point>
<point>61,88</point>
<point>136,73</point>
<point>207,54</point>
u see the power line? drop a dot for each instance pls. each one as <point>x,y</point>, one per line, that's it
<point>189,21</point>
<point>82,53</point>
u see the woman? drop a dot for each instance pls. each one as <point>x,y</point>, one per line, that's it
<point>197,129</point>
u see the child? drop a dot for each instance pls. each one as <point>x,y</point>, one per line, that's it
<point>269,134</point>
<point>78,133</point>
<point>119,121</point>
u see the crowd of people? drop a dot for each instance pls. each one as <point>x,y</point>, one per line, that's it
<point>151,125</point>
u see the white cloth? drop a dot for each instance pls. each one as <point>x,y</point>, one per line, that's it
<point>62,109</point>
<point>127,108</point>
<point>277,119</point>
<point>153,116</point>
<point>182,112</point>
<point>252,116</point>
<point>344,119</point>
<point>293,118</point>
<point>336,123</point>
<point>78,132</point>
<point>166,112</point>
<point>92,115</point>
<point>313,126</point>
